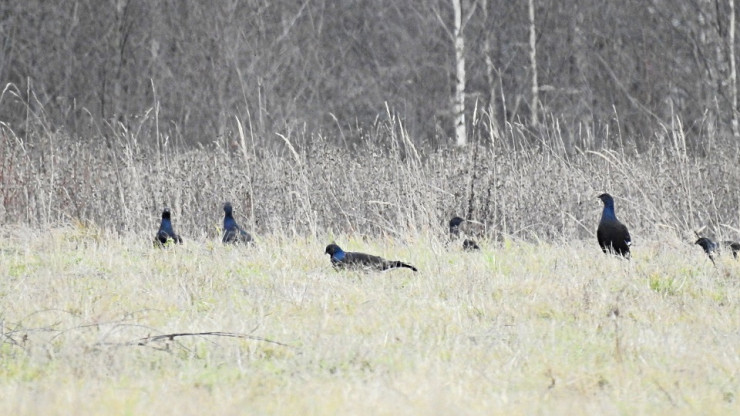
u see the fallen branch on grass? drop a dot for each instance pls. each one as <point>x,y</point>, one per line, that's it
<point>171,337</point>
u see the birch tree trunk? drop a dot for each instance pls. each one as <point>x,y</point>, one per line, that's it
<point>534,120</point>
<point>121,36</point>
<point>733,70</point>
<point>491,76</point>
<point>459,98</point>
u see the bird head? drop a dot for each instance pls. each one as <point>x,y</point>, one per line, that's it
<point>455,225</point>
<point>166,214</point>
<point>228,208</point>
<point>334,251</point>
<point>607,200</point>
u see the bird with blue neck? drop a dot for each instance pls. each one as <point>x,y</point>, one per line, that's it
<point>233,233</point>
<point>166,232</point>
<point>341,259</point>
<point>613,236</point>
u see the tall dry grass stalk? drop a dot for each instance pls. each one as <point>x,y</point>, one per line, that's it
<point>301,183</point>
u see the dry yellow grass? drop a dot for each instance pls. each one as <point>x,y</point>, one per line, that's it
<point>518,328</point>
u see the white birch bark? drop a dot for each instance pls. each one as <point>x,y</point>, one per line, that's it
<point>733,70</point>
<point>534,117</point>
<point>459,98</point>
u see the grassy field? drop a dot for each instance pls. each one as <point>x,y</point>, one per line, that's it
<point>94,320</point>
<point>519,328</point>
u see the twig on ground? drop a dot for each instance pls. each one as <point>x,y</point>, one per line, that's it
<point>146,340</point>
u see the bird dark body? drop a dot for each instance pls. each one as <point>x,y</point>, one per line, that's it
<point>712,248</point>
<point>233,233</point>
<point>341,259</point>
<point>456,223</point>
<point>470,245</point>
<point>709,246</point>
<point>166,232</point>
<point>734,246</point>
<point>612,234</point>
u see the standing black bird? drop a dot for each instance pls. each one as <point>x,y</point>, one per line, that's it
<point>455,224</point>
<point>712,249</point>
<point>233,233</point>
<point>341,259</point>
<point>612,234</point>
<point>166,232</point>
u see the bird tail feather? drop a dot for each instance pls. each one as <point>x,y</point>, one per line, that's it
<point>395,263</point>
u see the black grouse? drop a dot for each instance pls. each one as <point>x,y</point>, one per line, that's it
<point>612,234</point>
<point>709,246</point>
<point>712,249</point>
<point>341,259</point>
<point>233,233</point>
<point>455,225</point>
<point>166,232</point>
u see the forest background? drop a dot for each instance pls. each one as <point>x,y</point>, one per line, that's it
<point>138,84</point>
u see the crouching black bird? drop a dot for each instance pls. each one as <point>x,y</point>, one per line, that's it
<point>712,249</point>
<point>233,233</point>
<point>455,224</point>
<point>341,259</point>
<point>166,232</point>
<point>470,245</point>
<point>709,246</point>
<point>734,246</point>
<point>612,234</point>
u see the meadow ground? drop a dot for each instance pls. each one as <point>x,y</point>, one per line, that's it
<point>518,328</point>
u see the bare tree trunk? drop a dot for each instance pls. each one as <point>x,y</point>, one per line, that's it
<point>459,99</point>
<point>534,120</point>
<point>733,71</point>
<point>120,41</point>
<point>491,76</point>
